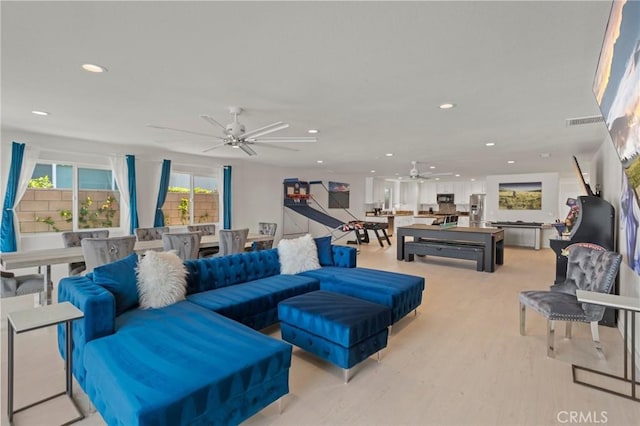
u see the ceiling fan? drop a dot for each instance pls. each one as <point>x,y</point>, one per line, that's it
<point>235,135</point>
<point>414,173</point>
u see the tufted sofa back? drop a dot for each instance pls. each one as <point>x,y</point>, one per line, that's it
<point>216,272</point>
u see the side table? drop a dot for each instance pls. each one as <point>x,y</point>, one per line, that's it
<point>33,319</point>
<point>628,305</point>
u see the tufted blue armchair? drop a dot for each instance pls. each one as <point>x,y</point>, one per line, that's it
<point>589,269</point>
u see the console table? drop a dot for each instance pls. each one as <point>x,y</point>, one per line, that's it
<point>630,306</point>
<point>33,319</point>
<point>536,227</point>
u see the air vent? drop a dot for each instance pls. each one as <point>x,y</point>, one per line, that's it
<point>584,120</point>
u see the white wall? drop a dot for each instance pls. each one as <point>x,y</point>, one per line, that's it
<point>607,171</point>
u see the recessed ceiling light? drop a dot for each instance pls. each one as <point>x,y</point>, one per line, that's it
<point>389,154</point>
<point>432,167</point>
<point>421,181</point>
<point>312,131</point>
<point>545,155</point>
<point>457,175</point>
<point>400,178</point>
<point>320,161</point>
<point>490,144</point>
<point>437,178</point>
<point>473,179</point>
<point>93,68</point>
<point>36,112</point>
<point>373,171</point>
<point>397,174</point>
<point>510,161</point>
<point>447,106</point>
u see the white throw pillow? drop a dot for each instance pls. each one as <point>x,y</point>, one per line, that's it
<point>161,279</point>
<point>298,255</point>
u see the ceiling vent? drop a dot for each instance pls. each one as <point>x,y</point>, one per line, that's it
<point>584,120</point>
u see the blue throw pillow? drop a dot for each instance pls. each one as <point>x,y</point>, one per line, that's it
<point>325,254</point>
<point>119,278</point>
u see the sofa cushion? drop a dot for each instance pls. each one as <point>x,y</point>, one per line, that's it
<point>161,279</point>
<point>298,255</point>
<point>217,272</point>
<point>325,253</point>
<point>119,278</point>
<point>240,301</point>
<point>183,364</point>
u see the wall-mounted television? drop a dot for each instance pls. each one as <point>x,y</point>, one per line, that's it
<point>585,185</point>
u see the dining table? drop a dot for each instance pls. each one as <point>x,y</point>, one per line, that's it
<point>44,258</point>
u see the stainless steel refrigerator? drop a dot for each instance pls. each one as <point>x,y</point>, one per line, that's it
<point>477,217</point>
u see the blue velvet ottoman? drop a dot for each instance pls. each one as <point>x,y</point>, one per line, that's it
<point>341,329</point>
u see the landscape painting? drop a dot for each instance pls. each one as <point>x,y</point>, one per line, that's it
<point>520,196</point>
<point>338,195</point>
<point>617,84</point>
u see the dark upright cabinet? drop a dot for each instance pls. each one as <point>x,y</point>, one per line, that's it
<point>595,224</point>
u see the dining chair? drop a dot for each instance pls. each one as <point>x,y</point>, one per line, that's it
<point>232,241</point>
<point>150,234</point>
<point>19,285</point>
<point>265,228</point>
<point>73,238</point>
<point>185,244</point>
<point>99,251</point>
<point>590,269</point>
<point>205,229</point>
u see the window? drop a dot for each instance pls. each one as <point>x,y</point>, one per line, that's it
<point>191,199</point>
<point>47,205</point>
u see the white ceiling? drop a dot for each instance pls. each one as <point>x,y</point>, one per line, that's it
<point>369,75</point>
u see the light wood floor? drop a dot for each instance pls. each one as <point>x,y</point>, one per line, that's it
<point>460,361</point>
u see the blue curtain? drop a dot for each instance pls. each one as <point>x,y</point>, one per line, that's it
<point>226,197</point>
<point>8,239</point>
<point>133,200</point>
<point>162,193</point>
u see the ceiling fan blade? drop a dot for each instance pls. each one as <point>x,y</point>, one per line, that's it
<point>286,139</point>
<point>211,120</point>
<point>268,145</point>
<point>246,148</point>
<point>183,131</point>
<point>274,127</point>
<point>214,147</point>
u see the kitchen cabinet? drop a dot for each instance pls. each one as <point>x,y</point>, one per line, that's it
<point>444,187</point>
<point>373,191</point>
<point>403,221</point>
<point>409,193</point>
<point>428,193</point>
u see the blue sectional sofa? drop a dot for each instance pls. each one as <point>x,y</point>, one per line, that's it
<point>201,360</point>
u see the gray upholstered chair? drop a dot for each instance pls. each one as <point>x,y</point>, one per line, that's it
<point>99,251</point>
<point>265,228</point>
<point>73,238</point>
<point>232,241</point>
<point>20,285</point>
<point>185,244</point>
<point>150,234</point>
<point>589,269</point>
<point>205,229</point>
